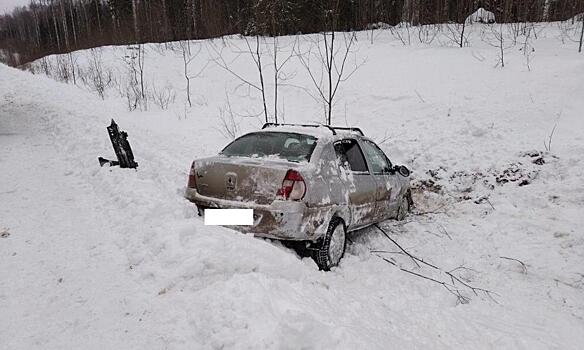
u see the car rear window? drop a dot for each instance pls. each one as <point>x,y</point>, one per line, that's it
<point>290,146</point>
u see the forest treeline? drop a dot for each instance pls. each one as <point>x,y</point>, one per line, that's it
<point>58,26</point>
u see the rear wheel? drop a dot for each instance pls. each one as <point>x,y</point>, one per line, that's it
<point>329,251</point>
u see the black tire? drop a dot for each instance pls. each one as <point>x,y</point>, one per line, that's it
<point>404,207</point>
<point>321,252</point>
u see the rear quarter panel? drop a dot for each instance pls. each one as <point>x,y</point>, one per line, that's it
<point>325,189</point>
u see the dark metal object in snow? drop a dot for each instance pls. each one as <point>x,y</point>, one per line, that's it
<point>121,147</point>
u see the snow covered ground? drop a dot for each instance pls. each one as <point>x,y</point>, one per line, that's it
<point>98,258</point>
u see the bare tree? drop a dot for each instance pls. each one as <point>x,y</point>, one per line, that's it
<point>141,59</point>
<point>500,42</point>
<point>515,30</point>
<point>188,56</point>
<point>256,55</point>
<point>455,32</point>
<point>427,33</point>
<point>402,32</point>
<point>569,30</point>
<point>44,62</point>
<point>186,60</point>
<point>528,48</point>
<point>279,75</point>
<point>581,33</point>
<point>276,72</point>
<point>163,97</point>
<point>96,77</point>
<point>229,126</point>
<point>331,68</point>
<point>63,69</point>
<point>135,89</point>
<point>497,39</point>
<point>73,62</point>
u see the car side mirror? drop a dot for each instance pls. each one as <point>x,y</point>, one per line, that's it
<point>402,170</point>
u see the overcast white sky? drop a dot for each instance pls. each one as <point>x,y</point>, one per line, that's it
<point>9,5</point>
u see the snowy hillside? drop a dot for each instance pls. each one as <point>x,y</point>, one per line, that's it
<point>94,258</point>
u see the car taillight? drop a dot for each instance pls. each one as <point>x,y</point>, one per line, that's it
<point>192,177</point>
<point>293,186</point>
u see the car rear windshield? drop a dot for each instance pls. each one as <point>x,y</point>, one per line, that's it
<point>290,146</point>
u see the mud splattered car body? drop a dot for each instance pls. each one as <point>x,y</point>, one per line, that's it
<point>300,179</point>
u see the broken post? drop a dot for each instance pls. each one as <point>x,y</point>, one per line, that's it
<point>122,149</point>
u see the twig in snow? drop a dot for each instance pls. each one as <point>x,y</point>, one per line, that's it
<point>419,96</point>
<point>462,267</point>
<point>523,266</point>
<point>572,285</point>
<point>413,257</point>
<point>384,251</point>
<point>548,146</point>
<point>443,231</point>
<point>478,56</point>
<point>451,287</point>
<point>457,279</point>
<point>397,244</point>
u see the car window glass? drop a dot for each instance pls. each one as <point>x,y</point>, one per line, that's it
<point>379,162</point>
<point>290,146</point>
<point>349,152</point>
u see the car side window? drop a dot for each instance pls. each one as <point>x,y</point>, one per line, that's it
<point>379,162</point>
<point>349,152</point>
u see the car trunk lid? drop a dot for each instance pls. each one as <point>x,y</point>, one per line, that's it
<point>241,178</point>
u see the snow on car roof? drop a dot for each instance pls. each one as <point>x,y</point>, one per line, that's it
<point>318,131</point>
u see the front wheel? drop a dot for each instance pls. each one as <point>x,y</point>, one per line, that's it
<point>329,251</point>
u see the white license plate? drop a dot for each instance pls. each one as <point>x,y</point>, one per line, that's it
<point>226,217</point>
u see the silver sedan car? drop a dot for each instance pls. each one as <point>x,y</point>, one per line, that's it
<point>309,183</point>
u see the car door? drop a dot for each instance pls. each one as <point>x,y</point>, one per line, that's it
<point>360,186</point>
<point>385,178</point>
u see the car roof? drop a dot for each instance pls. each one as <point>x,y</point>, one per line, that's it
<point>318,131</point>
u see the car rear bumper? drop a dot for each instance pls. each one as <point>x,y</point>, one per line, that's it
<point>285,220</point>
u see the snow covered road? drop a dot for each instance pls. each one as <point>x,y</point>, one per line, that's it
<point>101,258</point>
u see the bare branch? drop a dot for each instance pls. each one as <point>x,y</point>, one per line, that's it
<point>220,61</point>
<point>523,266</point>
<point>397,244</point>
<point>454,280</point>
